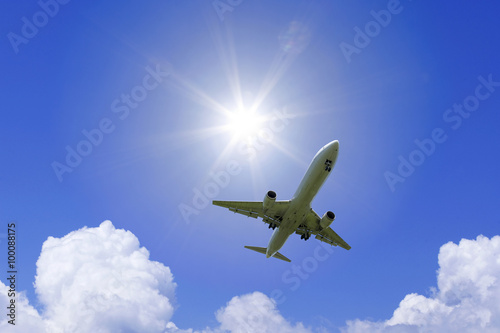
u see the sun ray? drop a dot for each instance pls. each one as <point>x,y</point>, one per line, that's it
<point>226,50</point>
<point>293,41</point>
<point>257,177</point>
<point>198,95</point>
<point>287,151</point>
<point>224,153</point>
<point>278,68</point>
<point>242,122</point>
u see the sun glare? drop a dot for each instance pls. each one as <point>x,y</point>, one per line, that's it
<point>244,123</point>
<point>247,123</point>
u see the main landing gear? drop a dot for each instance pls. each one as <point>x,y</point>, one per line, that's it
<point>272,226</point>
<point>305,236</point>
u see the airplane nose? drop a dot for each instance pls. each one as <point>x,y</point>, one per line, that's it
<point>336,144</point>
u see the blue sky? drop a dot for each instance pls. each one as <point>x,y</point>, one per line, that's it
<point>189,66</point>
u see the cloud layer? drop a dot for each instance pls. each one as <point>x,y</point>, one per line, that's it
<point>101,280</point>
<point>467,298</point>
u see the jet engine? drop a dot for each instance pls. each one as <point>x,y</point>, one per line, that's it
<point>327,219</point>
<point>269,200</point>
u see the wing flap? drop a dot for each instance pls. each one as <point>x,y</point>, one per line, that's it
<point>244,212</point>
<point>255,209</point>
<point>331,237</point>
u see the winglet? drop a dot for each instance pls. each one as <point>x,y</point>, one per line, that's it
<point>263,250</point>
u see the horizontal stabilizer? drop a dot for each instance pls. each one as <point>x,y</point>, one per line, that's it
<point>282,257</point>
<point>263,250</point>
<point>257,249</point>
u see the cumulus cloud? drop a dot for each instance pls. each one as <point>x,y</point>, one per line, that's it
<point>101,280</point>
<point>250,313</point>
<point>31,320</point>
<point>467,298</point>
<point>254,313</point>
<point>97,280</point>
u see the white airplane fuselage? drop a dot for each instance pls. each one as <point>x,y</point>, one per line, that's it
<point>300,204</point>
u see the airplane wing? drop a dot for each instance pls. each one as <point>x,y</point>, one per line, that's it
<point>326,235</point>
<point>331,237</point>
<point>272,216</point>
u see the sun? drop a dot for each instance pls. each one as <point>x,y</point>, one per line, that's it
<point>245,123</point>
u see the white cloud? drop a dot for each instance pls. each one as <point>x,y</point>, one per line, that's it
<point>98,280</point>
<point>101,280</point>
<point>467,298</point>
<point>31,320</point>
<point>255,313</point>
<point>250,313</point>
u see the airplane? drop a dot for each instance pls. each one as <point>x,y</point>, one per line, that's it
<point>295,215</point>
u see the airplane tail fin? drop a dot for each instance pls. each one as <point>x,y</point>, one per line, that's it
<point>263,250</point>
